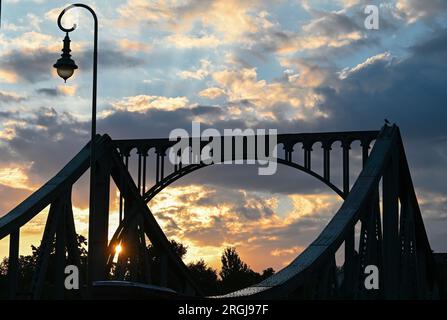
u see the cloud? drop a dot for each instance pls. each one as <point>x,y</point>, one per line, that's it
<point>187,42</point>
<point>332,24</point>
<point>62,90</point>
<point>70,18</point>
<point>109,58</point>
<point>143,103</point>
<point>198,73</point>
<point>27,56</point>
<point>257,100</point>
<point>31,66</point>
<point>45,139</point>
<point>8,96</point>
<point>325,31</point>
<point>228,20</point>
<point>8,76</point>
<point>212,93</point>
<point>128,45</point>
<point>15,177</point>
<point>407,91</point>
<point>288,251</point>
<point>31,56</point>
<point>410,92</point>
<point>371,62</point>
<point>67,90</point>
<point>414,10</point>
<point>211,218</point>
<point>28,41</point>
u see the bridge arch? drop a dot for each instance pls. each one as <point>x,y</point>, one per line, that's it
<point>177,175</point>
<point>183,171</point>
<point>286,141</point>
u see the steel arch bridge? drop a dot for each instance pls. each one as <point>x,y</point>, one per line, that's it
<point>382,200</point>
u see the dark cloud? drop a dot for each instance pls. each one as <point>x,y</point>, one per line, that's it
<point>413,10</point>
<point>410,92</point>
<point>36,65</point>
<point>434,47</point>
<point>7,114</point>
<point>108,58</point>
<point>213,235</point>
<point>48,149</point>
<point>207,110</point>
<point>30,65</point>
<point>52,92</point>
<point>332,24</point>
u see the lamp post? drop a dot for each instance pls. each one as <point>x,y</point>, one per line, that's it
<point>65,68</point>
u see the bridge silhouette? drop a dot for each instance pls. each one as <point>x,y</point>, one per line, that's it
<point>382,200</point>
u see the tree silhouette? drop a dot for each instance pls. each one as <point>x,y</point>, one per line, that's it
<point>267,273</point>
<point>235,273</point>
<point>205,277</point>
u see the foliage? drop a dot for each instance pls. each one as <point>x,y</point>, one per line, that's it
<point>235,273</point>
<point>205,277</point>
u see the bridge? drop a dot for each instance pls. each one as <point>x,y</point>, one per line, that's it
<point>382,201</point>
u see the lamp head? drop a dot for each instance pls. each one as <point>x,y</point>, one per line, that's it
<point>65,66</point>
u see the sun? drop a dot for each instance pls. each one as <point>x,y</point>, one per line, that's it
<point>118,249</point>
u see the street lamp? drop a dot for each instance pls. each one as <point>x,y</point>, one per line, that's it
<point>65,68</point>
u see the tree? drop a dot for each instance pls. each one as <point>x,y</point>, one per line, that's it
<point>231,263</point>
<point>235,273</point>
<point>177,247</point>
<point>205,277</point>
<point>267,273</point>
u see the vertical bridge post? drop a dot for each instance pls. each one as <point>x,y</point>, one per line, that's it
<point>391,249</point>
<point>98,223</point>
<point>13,265</point>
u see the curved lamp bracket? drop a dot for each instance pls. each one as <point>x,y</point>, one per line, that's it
<point>80,5</point>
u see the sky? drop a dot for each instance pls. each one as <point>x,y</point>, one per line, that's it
<point>294,66</point>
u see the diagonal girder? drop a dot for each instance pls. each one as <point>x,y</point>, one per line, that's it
<point>124,181</point>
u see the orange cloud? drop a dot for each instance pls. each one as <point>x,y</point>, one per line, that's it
<point>129,45</point>
<point>187,42</point>
<point>196,216</point>
<point>67,90</point>
<point>228,20</point>
<point>212,93</point>
<point>287,252</point>
<point>8,76</point>
<point>251,97</point>
<point>142,103</point>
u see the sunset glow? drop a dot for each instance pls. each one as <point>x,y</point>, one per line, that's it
<point>118,249</point>
<point>294,66</point>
